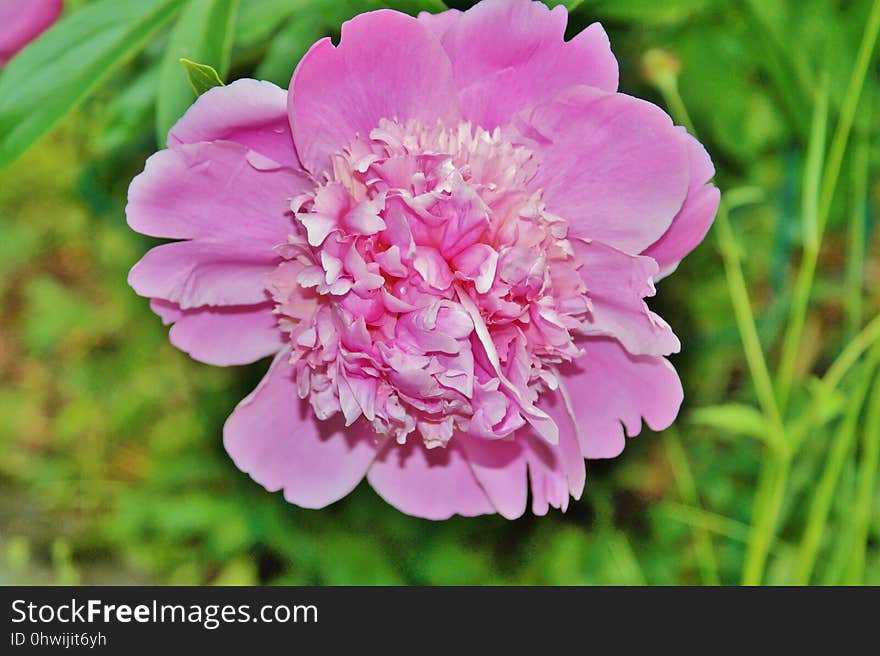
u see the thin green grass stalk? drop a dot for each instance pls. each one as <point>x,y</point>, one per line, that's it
<point>840,549</point>
<point>806,273</point>
<point>731,255</point>
<point>790,75</point>
<point>848,113</point>
<point>687,490</point>
<point>706,520</point>
<point>811,243</point>
<point>623,555</point>
<point>817,517</point>
<point>870,462</point>
<point>765,515</point>
<point>775,464</point>
<point>855,256</point>
<point>745,319</point>
<point>866,338</point>
<point>775,468</point>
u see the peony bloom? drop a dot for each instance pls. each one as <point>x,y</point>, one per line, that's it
<point>22,21</point>
<point>443,233</point>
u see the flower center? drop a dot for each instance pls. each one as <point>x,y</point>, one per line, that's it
<point>428,289</point>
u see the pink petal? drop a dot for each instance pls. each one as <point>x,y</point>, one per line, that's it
<point>693,220</point>
<point>508,55</point>
<point>500,468</point>
<point>252,113</point>
<point>556,472</point>
<point>222,336</point>
<point>549,486</point>
<point>612,165</point>
<point>478,263</point>
<point>216,191</point>
<point>23,21</point>
<point>430,483</point>
<point>387,65</point>
<point>195,273</point>
<point>166,310</point>
<point>274,436</point>
<point>439,24</point>
<point>611,390</point>
<point>616,285</point>
<point>432,267</point>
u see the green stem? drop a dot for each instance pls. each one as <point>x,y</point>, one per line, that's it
<point>824,492</point>
<point>848,114</point>
<point>811,241</point>
<point>775,468</point>
<point>765,516</point>
<point>745,319</point>
<point>709,521</point>
<point>806,273</point>
<point>867,337</point>
<point>870,462</point>
<point>687,490</point>
<point>855,260</point>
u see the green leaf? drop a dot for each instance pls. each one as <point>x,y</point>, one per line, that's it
<point>202,34</point>
<point>56,72</point>
<point>735,418</point>
<point>644,12</point>
<point>288,47</point>
<point>201,76</point>
<point>258,20</point>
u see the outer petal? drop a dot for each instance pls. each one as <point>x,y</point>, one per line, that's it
<point>609,387</point>
<point>194,273</point>
<point>500,468</point>
<point>23,21</point>
<point>387,65</point>
<point>555,472</point>
<point>430,483</point>
<point>440,23</point>
<point>617,284</point>
<point>252,113</point>
<point>220,192</point>
<point>693,221</point>
<point>612,165</point>
<point>508,55</point>
<point>222,336</point>
<point>274,436</point>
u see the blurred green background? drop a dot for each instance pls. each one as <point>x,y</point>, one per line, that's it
<point>111,463</point>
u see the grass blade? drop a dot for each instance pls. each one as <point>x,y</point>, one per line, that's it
<point>824,491</point>
<point>867,480</point>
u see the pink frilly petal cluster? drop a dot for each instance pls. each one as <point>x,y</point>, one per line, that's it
<point>444,233</point>
<point>22,21</point>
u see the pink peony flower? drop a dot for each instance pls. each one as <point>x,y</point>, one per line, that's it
<point>22,21</point>
<point>444,233</point>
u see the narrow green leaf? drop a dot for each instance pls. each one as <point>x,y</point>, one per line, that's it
<point>201,76</point>
<point>56,72</point>
<point>687,489</point>
<point>864,510</point>
<point>203,33</point>
<point>856,233</point>
<point>703,519</point>
<point>288,46</point>
<point>257,21</point>
<point>734,418</point>
<point>823,494</point>
<point>644,12</point>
